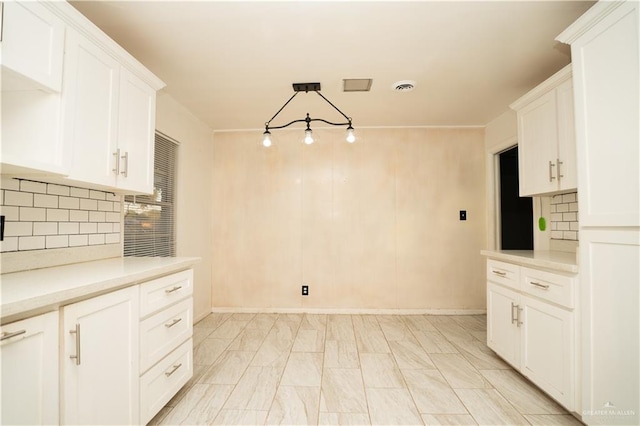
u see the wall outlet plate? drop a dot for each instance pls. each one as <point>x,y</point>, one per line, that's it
<point>463,215</point>
<point>305,290</point>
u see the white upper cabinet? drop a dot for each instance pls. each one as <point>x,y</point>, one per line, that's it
<point>547,159</point>
<point>32,47</point>
<point>604,47</point>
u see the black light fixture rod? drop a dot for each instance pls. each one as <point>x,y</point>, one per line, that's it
<point>336,108</point>
<point>303,120</point>
<point>276,114</point>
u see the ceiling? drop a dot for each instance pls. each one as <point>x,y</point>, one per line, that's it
<point>232,63</point>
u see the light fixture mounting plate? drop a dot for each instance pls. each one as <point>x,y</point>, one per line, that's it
<point>306,87</point>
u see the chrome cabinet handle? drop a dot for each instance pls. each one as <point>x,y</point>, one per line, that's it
<point>542,286</point>
<point>172,323</point>
<point>125,157</point>
<point>519,323</point>
<point>6,335</point>
<point>551,166</point>
<point>560,176</point>
<point>513,318</point>
<point>173,370</point>
<point>117,155</point>
<point>174,288</point>
<point>500,274</point>
<point>77,333</point>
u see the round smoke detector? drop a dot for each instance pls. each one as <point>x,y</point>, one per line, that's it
<point>403,85</point>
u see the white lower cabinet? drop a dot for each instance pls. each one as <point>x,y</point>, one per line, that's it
<point>531,325</point>
<point>100,360</point>
<point>29,357</point>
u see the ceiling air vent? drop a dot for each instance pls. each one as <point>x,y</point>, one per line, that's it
<point>356,84</point>
<point>404,85</point>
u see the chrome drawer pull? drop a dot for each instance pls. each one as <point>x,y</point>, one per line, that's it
<point>551,166</point>
<point>500,274</point>
<point>542,286</point>
<point>172,323</point>
<point>513,318</point>
<point>173,370</point>
<point>117,168</point>
<point>518,319</point>
<point>77,333</point>
<point>125,157</point>
<point>6,335</point>
<point>174,288</point>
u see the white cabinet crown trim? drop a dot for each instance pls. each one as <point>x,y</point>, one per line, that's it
<point>588,20</point>
<point>552,82</point>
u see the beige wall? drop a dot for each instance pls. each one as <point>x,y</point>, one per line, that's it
<point>193,192</point>
<point>373,225</point>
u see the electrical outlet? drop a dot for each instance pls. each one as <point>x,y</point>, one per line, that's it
<point>2,228</point>
<point>305,290</point>
<point>463,215</point>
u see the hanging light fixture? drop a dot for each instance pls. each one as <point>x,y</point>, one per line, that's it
<point>308,133</point>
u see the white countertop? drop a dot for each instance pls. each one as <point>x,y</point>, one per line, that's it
<point>27,293</point>
<point>557,260</point>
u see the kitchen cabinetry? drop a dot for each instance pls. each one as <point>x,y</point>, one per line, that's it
<point>605,50</point>
<point>546,139</point>
<point>32,47</point>
<point>100,360</point>
<point>29,353</point>
<point>530,323</point>
<point>166,345</point>
<point>109,119</point>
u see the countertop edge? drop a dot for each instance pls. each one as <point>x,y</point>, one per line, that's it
<point>42,303</point>
<point>545,260</point>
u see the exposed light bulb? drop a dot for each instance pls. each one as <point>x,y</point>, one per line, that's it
<point>351,137</point>
<point>308,139</point>
<point>266,140</point>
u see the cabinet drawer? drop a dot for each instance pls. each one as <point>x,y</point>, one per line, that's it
<point>162,292</point>
<point>503,273</point>
<point>164,380</point>
<point>555,288</point>
<point>164,331</point>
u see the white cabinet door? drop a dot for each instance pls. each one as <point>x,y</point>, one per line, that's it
<point>606,79</point>
<point>547,355</point>
<point>503,334</point>
<point>29,353</point>
<point>32,47</point>
<point>567,169</point>
<point>610,273</point>
<point>538,144</point>
<point>90,108</point>
<point>136,127</point>
<point>100,360</point>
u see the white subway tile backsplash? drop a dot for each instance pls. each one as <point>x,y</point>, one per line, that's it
<point>88,228</point>
<point>564,216</point>
<point>78,240</point>
<point>10,212</point>
<point>69,228</point>
<point>57,189</point>
<point>29,186</point>
<point>97,216</point>
<point>79,192</point>
<point>95,239</point>
<point>69,203</point>
<point>57,215</point>
<point>14,198</point>
<point>31,243</point>
<point>30,214</point>
<point>43,200</point>
<point>57,241</point>
<point>78,216</point>
<point>18,229</point>
<point>45,228</point>
<point>42,216</point>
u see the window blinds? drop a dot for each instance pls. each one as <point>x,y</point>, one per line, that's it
<point>149,220</point>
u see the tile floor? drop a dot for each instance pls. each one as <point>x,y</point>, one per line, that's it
<point>302,369</point>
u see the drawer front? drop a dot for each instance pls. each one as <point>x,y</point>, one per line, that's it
<point>164,380</point>
<point>163,332</point>
<point>162,292</point>
<point>503,273</point>
<point>548,286</point>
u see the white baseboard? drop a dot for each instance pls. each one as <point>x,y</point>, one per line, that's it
<point>350,311</point>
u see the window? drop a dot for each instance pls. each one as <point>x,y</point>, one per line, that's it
<point>149,220</point>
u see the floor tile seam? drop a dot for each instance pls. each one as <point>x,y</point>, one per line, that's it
<point>491,408</point>
<point>324,348</point>
<point>364,388</point>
